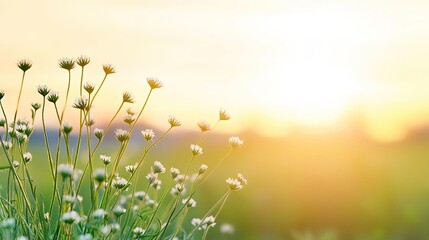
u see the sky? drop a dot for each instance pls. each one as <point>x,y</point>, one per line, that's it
<point>274,65</point>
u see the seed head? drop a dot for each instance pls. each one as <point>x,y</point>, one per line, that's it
<point>99,175</point>
<point>2,93</point>
<point>204,126</point>
<point>98,133</point>
<point>105,159</point>
<point>122,135</point>
<point>70,217</point>
<point>223,115</point>
<point>174,122</point>
<point>108,69</point>
<point>154,83</point>
<point>66,63</point>
<point>89,87</point>
<point>196,150</point>
<point>27,157</point>
<point>81,103</point>
<point>234,184</point>
<point>235,142</point>
<point>65,170</point>
<point>148,134</point>
<point>43,90</point>
<point>131,168</point>
<point>35,106</point>
<point>24,64</point>
<point>202,169</point>
<point>158,167</point>
<point>127,97</point>
<point>83,61</point>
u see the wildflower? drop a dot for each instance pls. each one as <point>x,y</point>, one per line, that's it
<point>241,179</point>
<point>226,228</point>
<point>130,112</point>
<point>83,61</point>
<point>77,173</point>
<point>80,103</point>
<point>148,134</point>
<point>119,182</point>
<point>2,93</point>
<point>119,210</point>
<point>105,230</point>
<point>151,203</point>
<point>139,232</point>
<point>154,83</point>
<point>71,217</point>
<point>174,122</point>
<point>203,126</point>
<point>178,189</point>
<point>156,184</point>
<point>90,122</point>
<point>99,175</point>
<point>190,203</point>
<point>108,69</point>
<point>24,64</point>
<point>127,97</point>
<point>115,227</point>
<point>105,159</point>
<point>35,106</point>
<point>53,97</point>
<point>65,170</point>
<point>27,157</point>
<point>223,115</point>
<point>122,135</point>
<point>129,119</point>
<point>181,178</point>
<point>98,133</point>
<point>100,213</point>
<point>66,63</point>
<point>131,168</point>
<point>209,221</point>
<point>46,216</point>
<point>69,199</point>
<point>43,90</point>
<point>234,184</point>
<point>15,164</point>
<point>89,87</point>
<point>151,177</point>
<point>67,128</point>
<point>174,172</point>
<point>8,223</point>
<point>87,236</point>
<point>158,167</point>
<point>235,142</point>
<point>196,150</point>
<point>21,238</point>
<point>202,169</point>
<point>196,222</point>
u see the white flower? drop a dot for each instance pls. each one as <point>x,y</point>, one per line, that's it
<point>131,168</point>
<point>21,238</point>
<point>122,135</point>
<point>15,164</point>
<point>27,157</point>
<point>7,144</point>
<point>203,126</point>
<point>87,236</point>
<point>158,167</point>
<point>8,223</point>
<point>190,202</point>
<point>202,169</point>
<point>138,231</point>
<point>235,142</point>
<point>234,184</point>
<point>154,83</point>
<point>70,217</point>
<point>156,184</point>
<point>105,159</point>
<point>227,228</point>
<point>65,170</point>
<point>119,182</point>
<point>140,195</point>
<point>115,227</point>
<point>241,179</point>
<point>67,128</point>
<point>46,216</point>
<point>148,134</point>
<point>100,213</point>
<point>196,150</point>
<point>196,222</point>
<point>99,175</point>
<point>69,198</point>
<point>119,210</point>
<point>98,133</point>
<point>223,115</point>
<point>105,230</point>
<point>178,189</point>
<point>174,122</point>
<point>209,221</point>
<point>151,177</point>
<point>174,172</point>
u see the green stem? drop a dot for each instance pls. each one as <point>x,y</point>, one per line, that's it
<point>6,123</point>
<point>19,98</point>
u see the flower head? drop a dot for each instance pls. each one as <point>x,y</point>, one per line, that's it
<point>148,134</point>
<point>81,103</point>
<point>86,236</point>
<point>83,61</point>
<point>105,159</point>
<point>100,213</point>
<point>151,177</point>
<point>67,128</point>
<point>174,122</point>
<point>241,179</point>
<point>196,150</point>
<point>224,115</point>
<point>65,170</point>
<point>119,210</point>
<point>8,223</point>
<point>154,83</point>
<point>234,184</point>
<point>2,93</point>
<point>24,64</point>
<point>108,69</point>
<point>235,142</point>
<point>98,133</point>
<point>138,232</point>
<point>99,175</point>
<point>89,87</point>
<point>204,126</point>
<point>15,164</point>
<point>156,184</point>
<point>70,217</point>
<point>66,63</point>
<point>27,157</point>
<point>158,167</point>
<point>119,182</point>
<point>202,169</point>
<point>35,106</point>
<point>43,90</point>
<point>53,97</point>
<point>127,97</point>
<point>122,135</point>
<point>129,119</point>
<point>174,172</point>
<point>178,189</point>
<point>209,221</point>
<point>131,168</point>
<point>190,202</point>
<point>227,228</point>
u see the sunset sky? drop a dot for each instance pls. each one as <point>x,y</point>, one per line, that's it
<point>273,64</point>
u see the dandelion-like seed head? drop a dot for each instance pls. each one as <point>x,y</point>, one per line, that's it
<point>234,184</point>
<point>43,90</point>
<point>27,157</point>
<point>36,106</point>
<point>138,232</point>
<point>131,168</point>
<point>83,61</point>
<point>122,135</point>
<point>98,133</point>
<point>65,170</point>
<point>81,103</point>
<point>2,93</point>
<point>196,150</point>
<point>108,69</point>
<point>89,87</point>
<point>105,159</point>
<point>71,217</point>
<point>99,175</point>
<point>119,183</point>
<point>202,169</point>
<point>224,115</point>
<point>119,210</point>
<point>148,134</point>
<point>158,167</point>
<point>204,126</point>
<point>127,97</point>
<point>154,83</point>
<point>24,64</point>
<point>190,202</point>
<point>174,172</point>
<point>53,97</point>
<point>66,63</point>
<point>174,122</point>
<point>235,142</point>
<point>67,128</point>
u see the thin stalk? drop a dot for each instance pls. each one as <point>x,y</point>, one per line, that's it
<point>159,203</point>
<point>6,128</point>
<point>19,98</point>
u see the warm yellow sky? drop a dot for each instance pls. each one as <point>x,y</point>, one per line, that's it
<point>272,64</point>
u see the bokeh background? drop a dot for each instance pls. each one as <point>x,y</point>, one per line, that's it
<point>331,98</point>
